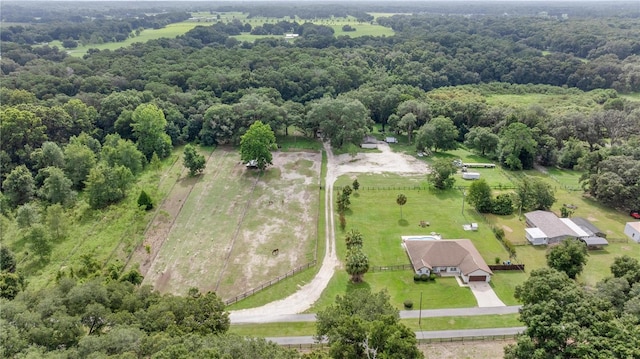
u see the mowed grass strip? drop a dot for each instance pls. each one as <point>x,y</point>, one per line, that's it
<point>426,324</point>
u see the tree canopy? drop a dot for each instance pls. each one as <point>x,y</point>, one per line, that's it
<point>257,143</point>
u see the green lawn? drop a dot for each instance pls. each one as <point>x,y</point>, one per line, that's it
<point>427,324</point>
<point>552,103</point>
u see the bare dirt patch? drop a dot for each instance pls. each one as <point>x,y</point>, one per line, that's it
<point>507,228</point>
<point>384,161</point>
<point>460,350</point>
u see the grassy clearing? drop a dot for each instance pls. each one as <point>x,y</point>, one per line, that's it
<point>427,324</point>
<point>552,103</point>
<point>207,19</point>
<point>106,235</point>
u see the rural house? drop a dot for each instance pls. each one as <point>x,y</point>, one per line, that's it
<point>632,230</point>
<point>545,227</point>
<point>456,257</point>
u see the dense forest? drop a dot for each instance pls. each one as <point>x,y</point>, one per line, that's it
<point>77,132</point>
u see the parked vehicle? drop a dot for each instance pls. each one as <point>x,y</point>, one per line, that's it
<point>635,214</point>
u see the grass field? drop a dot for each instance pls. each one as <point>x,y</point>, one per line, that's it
<point>223,237</point>
<point>552,103</point>
<point>207,19</point>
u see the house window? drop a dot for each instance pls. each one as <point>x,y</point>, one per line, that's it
<point>452,269</point>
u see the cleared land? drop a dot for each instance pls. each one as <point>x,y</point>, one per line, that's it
<point>224,235</point>
<point>206,19</point>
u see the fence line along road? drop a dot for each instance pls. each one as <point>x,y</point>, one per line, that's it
<point>404,314</point>
<point>422,336</point>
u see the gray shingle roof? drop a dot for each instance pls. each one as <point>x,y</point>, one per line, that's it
<point>586,225</point>
<point>549,223</point>
<point>459,253</point>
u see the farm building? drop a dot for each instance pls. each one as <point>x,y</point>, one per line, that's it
<point>545,227</point>
<point>632,230</point>
<point>456,257</point>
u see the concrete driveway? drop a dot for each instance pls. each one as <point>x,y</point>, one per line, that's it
<point>485,296</point>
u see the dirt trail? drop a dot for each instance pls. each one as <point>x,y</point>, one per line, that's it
<point>303,299</point>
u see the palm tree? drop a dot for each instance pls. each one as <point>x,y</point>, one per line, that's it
<point>401,201</point>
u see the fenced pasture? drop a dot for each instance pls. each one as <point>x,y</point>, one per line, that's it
<point>225,235</point>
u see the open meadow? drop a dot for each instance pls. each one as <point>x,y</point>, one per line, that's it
<point>206,19</point>
<point>225,232</point>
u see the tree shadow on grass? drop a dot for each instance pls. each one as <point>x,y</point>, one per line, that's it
<point>403,222</point>
<point>351,286</point>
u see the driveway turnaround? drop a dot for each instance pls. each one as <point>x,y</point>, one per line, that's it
<point>485,296</point>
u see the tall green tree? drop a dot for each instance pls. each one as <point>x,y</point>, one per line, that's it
<point>19,186</point>
<point>362,324</point>
<point>569,257</point>
<point>117,151</point>
<point>149,124</point>
<point>107,185</point>
<point>22,132</point>
<point>39,241</point>
<point>482,140</point>
<point>441,174</point>
<point>533,193</point>
<point>257,144</point>
<point>194,161</point>
<point>57,187</point>
<point>56,221</point>
<point>440,134</point>
<point>342,120</point>
<point>79,160</point>
<point>479,196</point>
<point>517,146</point>
<point>408,123</point>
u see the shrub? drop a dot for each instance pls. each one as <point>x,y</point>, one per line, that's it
<point>498,232</point>
<point>408,304</point>
<point>416,277</point>
<point>424,277</point>
<point>144,201</point>
<point>502,205</point>
<point>497,260</point>
<point>509,246</point>
<point>432,276</point>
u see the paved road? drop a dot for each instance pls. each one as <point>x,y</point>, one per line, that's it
<point>437,334</point>
<point>404,314</point>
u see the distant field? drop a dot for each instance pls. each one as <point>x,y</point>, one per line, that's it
<point>552,103</point>
<point>207,19</point>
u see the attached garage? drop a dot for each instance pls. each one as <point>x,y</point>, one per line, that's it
<point>478,278</point>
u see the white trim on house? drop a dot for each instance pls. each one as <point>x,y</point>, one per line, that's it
<point>535,236</point>
<point>580,233</point>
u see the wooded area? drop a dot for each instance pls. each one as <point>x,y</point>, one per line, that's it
<point>78,132</point>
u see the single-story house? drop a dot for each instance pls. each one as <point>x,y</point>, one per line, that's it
<point>545,227</point>
<point>455,257</point>
<point>632,230</point>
